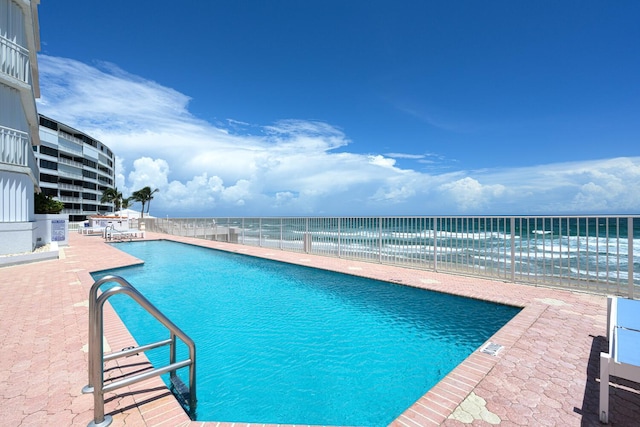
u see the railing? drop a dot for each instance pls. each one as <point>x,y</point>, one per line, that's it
<point>112,233</point>
<point>64,186</point>
<point>14,60</point>
<point>67,136</point>
<point>69,174</point>
<point>97,357</point>
<point>15,149</point>
<point>70,162</point>
<point>586,253</point>
<point>69,199</point>
<point>69,145</point>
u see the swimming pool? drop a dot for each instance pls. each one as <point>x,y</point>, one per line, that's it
<point>280,343</point>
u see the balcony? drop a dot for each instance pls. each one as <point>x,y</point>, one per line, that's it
<point>69,144</point>
<point>14,61</point>
<point>68,173</point>
<point>70,162</point>
<point>15,149</point>
<point>71,187</point>
<point>69,199</point>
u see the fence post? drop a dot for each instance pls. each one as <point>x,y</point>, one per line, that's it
<point>380,240</point>
<point>435,244</point>
<point>630,255</point>
<point>513,249</point>
<point>339,238</point>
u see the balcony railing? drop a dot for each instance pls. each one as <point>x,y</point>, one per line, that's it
<point>70,174</point>
<point>15,149</point>
<point>70,162</point>
<point>14,60</point>
<point>70,199</point>
<point>588,253</point>
<point>69,137</point>
<point>64,186</point>
<point>69,147</point>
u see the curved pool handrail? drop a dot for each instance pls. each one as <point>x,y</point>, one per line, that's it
<point>96,348</point>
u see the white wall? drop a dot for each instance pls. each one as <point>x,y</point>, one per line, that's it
<point>16,197</point>
<point>17,237</point>
<point>52,228</point>
<point>17,112</point>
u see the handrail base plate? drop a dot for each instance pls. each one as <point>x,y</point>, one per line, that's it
<point>106,422</point>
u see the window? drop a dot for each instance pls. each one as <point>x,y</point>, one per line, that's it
<point>50,192</point>
<point>48,178</point>
<point>48,151</point>
<point>86,139</point>
<point>105,180</point>
<point>46,164</point>
<point>48,123</point>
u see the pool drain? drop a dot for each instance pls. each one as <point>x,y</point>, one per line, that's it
<point>492,348</point>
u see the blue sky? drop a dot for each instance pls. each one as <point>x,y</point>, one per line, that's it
<point>286,108</point>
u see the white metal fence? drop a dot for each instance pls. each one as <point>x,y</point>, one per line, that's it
<point>590,253</point>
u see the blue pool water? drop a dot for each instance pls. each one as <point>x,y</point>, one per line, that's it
<point>279,343</point>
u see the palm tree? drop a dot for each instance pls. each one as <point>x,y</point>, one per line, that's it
<point>144,196</point>
<point>127,202</point>
<point>112,195</point>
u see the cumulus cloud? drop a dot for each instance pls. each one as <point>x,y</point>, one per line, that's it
<point>297,167</point>
<point>609,186</point>
<point>469,195</point>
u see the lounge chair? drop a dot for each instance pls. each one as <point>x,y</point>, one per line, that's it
<point>623,359</point>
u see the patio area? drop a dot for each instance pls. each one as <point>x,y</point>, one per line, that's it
<point>546,374</point>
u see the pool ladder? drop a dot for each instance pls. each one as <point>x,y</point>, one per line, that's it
<point>97,358</point>
<point>111,235</point>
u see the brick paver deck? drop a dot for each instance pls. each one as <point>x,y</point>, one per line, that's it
<point>546,375</point>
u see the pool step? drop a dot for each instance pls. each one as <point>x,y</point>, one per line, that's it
<point>180,390</point>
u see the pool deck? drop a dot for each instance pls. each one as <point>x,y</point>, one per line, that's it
<point>547,373</point>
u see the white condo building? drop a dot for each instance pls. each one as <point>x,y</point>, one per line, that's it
<point>19,42</point>
<point>74,169</point>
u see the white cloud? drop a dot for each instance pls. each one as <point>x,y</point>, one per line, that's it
<point>612,185</point>
<point>149,172</point>
<point>471,196</point>
<point>297,167</point>
<point>384,162</point>
<point>405,156</point>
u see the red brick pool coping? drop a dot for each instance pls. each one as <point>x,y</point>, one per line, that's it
<point>546,374</point>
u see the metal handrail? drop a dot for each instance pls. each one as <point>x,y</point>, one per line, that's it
<point>108,235</point>
<point>96,349</point>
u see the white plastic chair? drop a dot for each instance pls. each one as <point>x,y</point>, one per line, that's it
<point>623,359</point>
